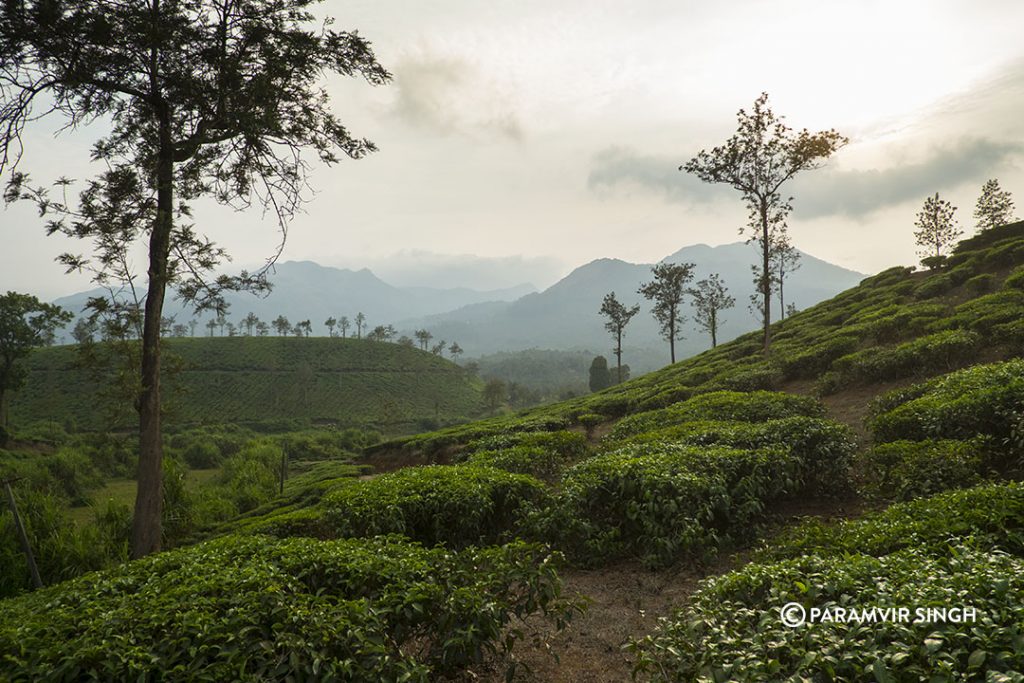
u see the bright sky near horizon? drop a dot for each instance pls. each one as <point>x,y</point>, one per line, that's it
<point>545,134</point>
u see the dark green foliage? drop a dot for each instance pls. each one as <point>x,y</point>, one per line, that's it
<point>813,361</point>
<point>754,406</point>
<point>538,462</point>
<point>453,505</point>
<point>981,400</point>
<point>944,551</point>
<point>981,284</point>
<point>1015,280</point>
<point>568,445</point>
<point>662,502</point>
<point>934,353</point>
<point>600,378</point>
<point>934,286</point>
<point>349,382</point>
<point>251,608</point>
<point>823,448</point>
<point>902,470</point>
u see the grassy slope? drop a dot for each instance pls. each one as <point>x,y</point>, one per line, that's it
<point>249,379</point>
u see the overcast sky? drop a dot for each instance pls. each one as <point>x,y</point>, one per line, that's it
<point>545,134</point>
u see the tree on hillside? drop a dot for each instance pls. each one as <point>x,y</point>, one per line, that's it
<point>494,393</point>
<point>25,323</point>
<point>785,260</point>
<point>282,325</point>
<point>84,330</point>
<point>423,337</point>
<point>222,322</point>
<point>378,333</point>
<point>710,298</point>
<point>232,329</point>
<point>343,325</point>
<point>666,292</point>
<point>600,377</point>
<point>200,98</point>
<point>758,160</point>
<point>305,328</point>
<point>166,325</point>
<point>390,333</point>
<point>360,323</point>
<point>297,329</point>
<point>407,342</point>
<point>994,207</point>
<point>454,350</point>
<point>937,229</point>
<point>618,317</point>
<point>329,324</point>
<point>192,324</point>
<point>249,322</point>
<point>211,325</point>
<point>180,330</point>
<point>438,348</point>
<point>262,329</point>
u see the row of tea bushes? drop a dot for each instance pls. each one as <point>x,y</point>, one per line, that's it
<point>961,549</point>
<point>255,608</point>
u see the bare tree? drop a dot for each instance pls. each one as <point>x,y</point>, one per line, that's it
<point>618,316</point>
<point>710,298</point>
<point>666,292</point>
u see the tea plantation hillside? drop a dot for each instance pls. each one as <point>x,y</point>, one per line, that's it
<point>896,326</point>
<point>264,379</point>
<point>904,395</point>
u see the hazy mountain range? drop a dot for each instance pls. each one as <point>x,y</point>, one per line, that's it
<point>563,316</point>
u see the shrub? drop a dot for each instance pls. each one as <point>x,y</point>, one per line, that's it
<point>664,502</point>
<point>933,262</point>
<point>815,359</point>
<point>980,400</point>
<point>731,628</point>
<point>901,470</point>
<point>202,454</point>
<point>254,608</point>
<point>934,286</point>
<point>981,284</point>
<point>569,445</point>
<point>755,406</point>
<point>538,462</point>
<point>823,448</point>
<point>455,505</point>
<point>935,352</point>
<point>1015,280</point>
<point>992,515</point>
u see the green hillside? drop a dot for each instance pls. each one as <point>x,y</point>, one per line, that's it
<point>265,379</point>
<point>898,403</point>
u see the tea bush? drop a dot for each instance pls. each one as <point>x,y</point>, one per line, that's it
<point>812,361</point>
<point>253,608</point>
<point>538,462</point>
<point>992,515</point>
<point>455,505</point>
<point>731,630</point>
<point>823,448</point>
<point>752,406</point>
<point>983,399</point>
<point>663,502</point>
<point>901,470</point>
<point>568,445</point>
<point>933,353</point>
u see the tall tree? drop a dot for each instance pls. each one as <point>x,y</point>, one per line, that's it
<point>282,326</point>
<point>211,325</point>
<point>618,316</point>
<point>666,292</point>
<point>360,323</point>
<point>455,351</point>
<point>786,260</point>
<point>208,97</point>
<point>305,327</point>
<point>262,328</point>
<point>329,324</point>
<point>994,207</point>
<point>423,337</point>
<point>192,324</point>
<point>343,325</point>
<point>84,330</point>
<point>438,348</point>
<point>937,229</point>
<point>710,298</point>
<point>758,160</point>
<point>250,321</point>
<point>25,323</point>
<point>494,393</point>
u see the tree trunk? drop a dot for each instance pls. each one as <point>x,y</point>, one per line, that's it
<point>714,329</point>
<point>672,337</point>
<point>147,528</point>
<point>618,353</point>
<point>782,297</point>
<point>766,290</point>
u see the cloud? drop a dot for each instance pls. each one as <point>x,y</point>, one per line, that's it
<point>856,194</point>
<point>448,95</point>
<point>824,192</point>
<point>619,168</point>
